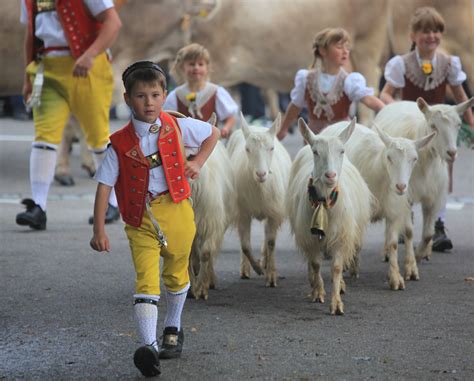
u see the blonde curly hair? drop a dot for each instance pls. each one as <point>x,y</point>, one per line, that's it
<point>191,52</point>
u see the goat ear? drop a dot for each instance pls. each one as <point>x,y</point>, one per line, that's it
<point>383,136</point>
<point>347,132</point>
<point>243,125</point>
<point>273,130</point>
<point>305,131</point>
<point>422,142</point>
<point>422,105</point>
<point>462,107</point>
<point>213,119</point>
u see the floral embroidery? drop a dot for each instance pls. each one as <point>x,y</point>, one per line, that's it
<point>427,67</point>
<point>191,97</point>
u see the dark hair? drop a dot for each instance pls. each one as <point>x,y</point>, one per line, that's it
<point>143,71</point>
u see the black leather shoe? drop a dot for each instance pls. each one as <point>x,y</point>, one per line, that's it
<point>172,344</point>
<point>112,214</point>
<point>147,361</point>
<point>34,217</point>
<point>441,242</point>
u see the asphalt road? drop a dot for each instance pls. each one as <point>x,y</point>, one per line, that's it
<point>66,312</point>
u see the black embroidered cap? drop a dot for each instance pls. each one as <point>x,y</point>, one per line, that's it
<point>141,65</point>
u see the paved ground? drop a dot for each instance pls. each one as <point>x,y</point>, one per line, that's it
<point>66,312</point>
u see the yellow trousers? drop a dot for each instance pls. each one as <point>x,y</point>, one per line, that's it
<point>88,99</point>
<point>177,223</point>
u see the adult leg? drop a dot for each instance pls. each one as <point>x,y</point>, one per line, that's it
<point>49,118</point>
<point>90,104</point>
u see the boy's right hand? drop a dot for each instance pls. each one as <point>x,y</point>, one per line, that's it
<point>100,242</point>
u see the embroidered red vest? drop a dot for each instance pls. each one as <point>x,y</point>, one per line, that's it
<point>411,92</point>
<point>415,79</point>
<point>340,109</point>
<point>132,184</point>
<point>206,110</point>
<point>80,27</point>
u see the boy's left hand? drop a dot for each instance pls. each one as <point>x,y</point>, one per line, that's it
<point>192,169</point>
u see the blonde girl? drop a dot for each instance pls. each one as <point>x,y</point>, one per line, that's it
<point>197,97</point>
<point>326,89</point>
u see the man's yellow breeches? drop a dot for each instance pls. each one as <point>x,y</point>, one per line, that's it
<point>87,98</point>
<point>177,223</point>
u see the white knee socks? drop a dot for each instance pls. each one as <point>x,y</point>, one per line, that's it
<point>174,307</point>
<point>42,164</point>
<point>146,317</point>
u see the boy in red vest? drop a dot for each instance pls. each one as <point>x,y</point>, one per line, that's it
<point>146,165</point>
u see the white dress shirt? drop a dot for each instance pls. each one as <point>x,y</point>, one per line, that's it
<point>193,131</point>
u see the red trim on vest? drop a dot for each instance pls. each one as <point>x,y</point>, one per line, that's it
<point>134,171</point>
<point>206,110</point>
<point>80,27</point>
<point>411,92</point>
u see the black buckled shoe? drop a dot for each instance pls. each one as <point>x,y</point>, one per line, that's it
<point>34,217</point>
<point>112,214</point>
<point>172,344</point>
<point>146,359</point>
<point>441,242</point>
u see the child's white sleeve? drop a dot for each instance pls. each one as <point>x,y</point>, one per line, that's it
<point>297,94</point>
<point>23,13</point>
<point>225,105</point>
<point>456,76</point>
<point>356,88</point>
<point>194,131</point>
<point>171,102</point>
<point>395,72</point>
<point>108,171</point>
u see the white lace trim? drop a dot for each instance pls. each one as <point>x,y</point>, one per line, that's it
<point>202,97</point>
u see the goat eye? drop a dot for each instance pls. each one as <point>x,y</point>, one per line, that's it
<point>272,148</point>
<point>342,152</point>
<point>247,149</point>
<point>315,152</point>
<point>389,159</point>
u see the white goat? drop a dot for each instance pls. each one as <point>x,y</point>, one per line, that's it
<point>214,208</point>
<point>386,164</point>
<point>261,166</point>
<point>429,181</point>
<point>323,161</point>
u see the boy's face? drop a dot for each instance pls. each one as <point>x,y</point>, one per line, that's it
<point>426,40</point>
<point>195,71</point>
<point>146,100</point>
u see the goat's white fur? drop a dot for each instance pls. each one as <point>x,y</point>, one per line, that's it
<point>323,159</point>
<point>429,181</point>
<point>261,166</point>
<point>386,164</point>
<point>214,205</point>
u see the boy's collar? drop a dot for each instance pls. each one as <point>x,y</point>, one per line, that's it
<point>142,128</point>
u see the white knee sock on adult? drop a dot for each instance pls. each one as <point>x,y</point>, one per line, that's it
<point>42,164</point>
<point>174,307</point>
<point>98,156</point>
<point>146,317</point>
